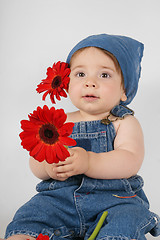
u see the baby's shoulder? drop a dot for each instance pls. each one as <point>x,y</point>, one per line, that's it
<point>128,122</point>
<point>73,116</point>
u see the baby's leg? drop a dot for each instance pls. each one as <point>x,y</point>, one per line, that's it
<point>126,224</point>
<point>20,237</point>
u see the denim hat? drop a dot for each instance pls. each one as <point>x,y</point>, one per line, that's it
<point>127,51</point>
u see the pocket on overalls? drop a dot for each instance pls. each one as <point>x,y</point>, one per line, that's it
<point>133,189</point>
<point>95,142</point>
<point>136,182</point>
<point>133,184</point>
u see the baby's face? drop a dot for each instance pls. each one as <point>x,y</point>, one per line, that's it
<point>95,84</point>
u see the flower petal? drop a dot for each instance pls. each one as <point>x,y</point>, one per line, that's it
<point>42,237</point>
<point>52,98</point>
<point>67,141</point>
<point>29,143</point>
<point>66,72</point>
<point>63,93</point>
<point>51,155</point>
<point>66,129</point>
<point>57,66</point>
<point>62,68</point>
<point>29,126</point>
<point>64,150</point>
<point>41,155</point>
<point>34,152</point>
<point>45,95</point>
<point>57,95</point>
<point>60,152</point>
<point>59,118</point>
<point>47,114</point>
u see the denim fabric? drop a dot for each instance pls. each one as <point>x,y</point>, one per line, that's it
<point>71,209</point>
<point>121,111</point>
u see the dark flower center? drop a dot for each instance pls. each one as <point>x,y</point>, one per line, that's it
<point>48,134</point>
<point>56,82</point>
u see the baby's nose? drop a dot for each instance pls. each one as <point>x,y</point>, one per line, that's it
<point>90,85</point>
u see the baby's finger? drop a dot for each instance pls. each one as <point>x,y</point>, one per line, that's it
<point>64,168</point>
<point>64,175</point>
<point>66,162</point>
<point>60,163</point>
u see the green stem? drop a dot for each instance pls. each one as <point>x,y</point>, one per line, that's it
<point>98,226</point>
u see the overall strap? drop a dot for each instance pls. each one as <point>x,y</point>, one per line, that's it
<point>119,112</point>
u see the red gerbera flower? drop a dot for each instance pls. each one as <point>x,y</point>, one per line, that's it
<point>42,237</point>
<point>45,134</point>
<point>56,82</point>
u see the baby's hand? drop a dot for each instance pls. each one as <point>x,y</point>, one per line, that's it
<point>77,163</point>
<point>51,171</point>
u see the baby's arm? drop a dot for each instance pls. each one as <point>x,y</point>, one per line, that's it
<point>123,162</point>
<point>126,158</point>
<point>43,170</point>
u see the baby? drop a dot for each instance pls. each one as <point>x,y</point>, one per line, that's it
<point>101,172</point>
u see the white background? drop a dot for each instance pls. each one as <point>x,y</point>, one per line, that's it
<point>36,33</point>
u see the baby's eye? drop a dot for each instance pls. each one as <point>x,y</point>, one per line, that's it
<point>80,74</point>
<point>105,75</point>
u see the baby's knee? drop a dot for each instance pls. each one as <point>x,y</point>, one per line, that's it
<point>20,237</point>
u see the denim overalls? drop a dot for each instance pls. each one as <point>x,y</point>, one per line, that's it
<point>71,209</point>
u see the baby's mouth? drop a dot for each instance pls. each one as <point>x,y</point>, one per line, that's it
<point>90,97</point>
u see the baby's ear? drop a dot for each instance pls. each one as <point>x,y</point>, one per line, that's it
<point>123,97</point>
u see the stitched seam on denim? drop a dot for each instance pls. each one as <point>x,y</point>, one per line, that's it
<point>112,129</point>
<point>103,142</point>
<point>69,234</point>
<point>143,225</point>
<point>86,135</point>
<point>65,232</point>
<point>81,217</point>
<point>127,186</point>
<point>141,182</point>
<point>51,186</point>
<point>110,135</point>
<point>22,232</point>
<point>52,235</point>
<point>113,237</point>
